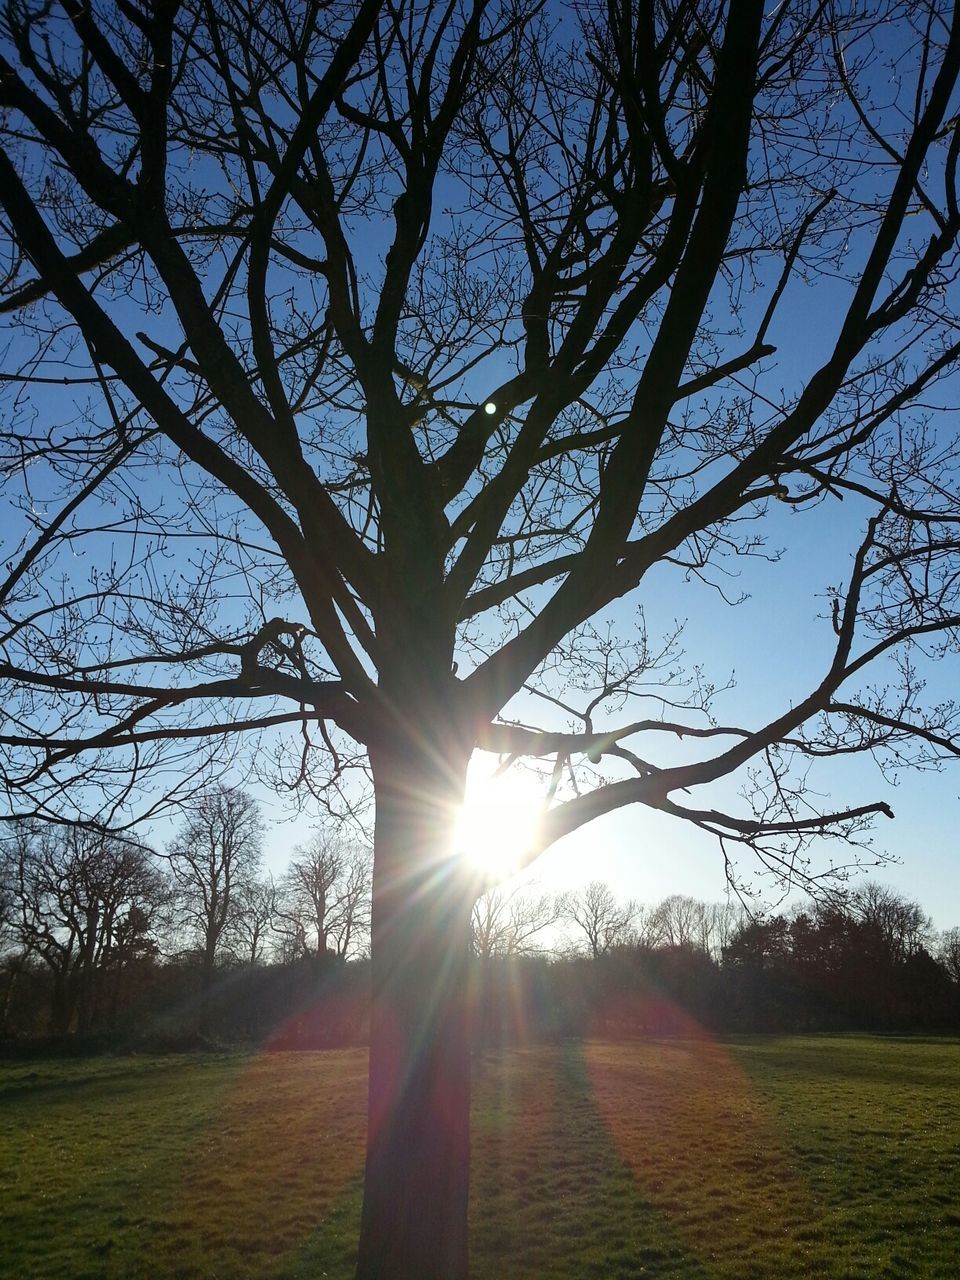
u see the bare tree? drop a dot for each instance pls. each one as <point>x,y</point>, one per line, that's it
<point>76,896</point>
<point>645,927</point>
<point>682,921</point>
<point>367,355</point>
<point>12,952</point>
<point>902,926</point>
<point>324,897</point>
<point>726,919</point>
<point>948,952</point>
<point>7,896</point>
<point>215,856</point>
<point>604,922</point>
<point>508,922</point>
<point>251,921</point>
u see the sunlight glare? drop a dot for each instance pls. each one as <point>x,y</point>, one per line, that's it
<point>499,822</point>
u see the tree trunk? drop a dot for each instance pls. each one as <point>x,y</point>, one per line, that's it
<point>208,961</point>
<point>86,984</point>
<point>14,969</point>
<point>63,1003</point>
<point>115,986</point>
<point>414,1223</point>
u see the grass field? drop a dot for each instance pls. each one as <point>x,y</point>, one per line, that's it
<point>767,1158</point>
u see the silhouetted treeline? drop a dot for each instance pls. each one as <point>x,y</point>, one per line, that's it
<point>868,965</point>
<point>104,942</point>
<point>870,962</point>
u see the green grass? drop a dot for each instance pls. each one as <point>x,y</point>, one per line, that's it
<point>180,1168</point>
<point>767,1158</point>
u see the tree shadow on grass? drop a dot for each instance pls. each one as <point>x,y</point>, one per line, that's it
<point>275,1185</point>
<point>246,1167</point>
<point>641,1159</point>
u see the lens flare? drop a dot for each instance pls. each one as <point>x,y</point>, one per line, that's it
<point>499,823</point>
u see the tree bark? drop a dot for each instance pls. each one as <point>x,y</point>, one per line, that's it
<point>414,1223</point>
<point>14,969</point>
<point>208,960</point>
<point>62,1003</point>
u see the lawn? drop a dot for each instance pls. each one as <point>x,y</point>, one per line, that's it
<point>767,1158</point>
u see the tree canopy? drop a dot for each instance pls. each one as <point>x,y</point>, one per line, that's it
<point>342,332</point>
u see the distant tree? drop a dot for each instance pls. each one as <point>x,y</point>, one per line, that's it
<point>948,952</point>
<point>683,921</point>
<point>685,981</point>
<point>215,855</point>
<point>7,896</point>
<point>251,920</point>
<point>761,991</point>
<point>80,898</point>
<point>133,959</point>
<point>724,920</point>
<point>323,898</point>
<point>823,938</point>
<point>595,912</point>
<point>12,955</point>
<point>901,927</point>
<point>856,960</point>
<point>760,943</point>
<point>508,922</point>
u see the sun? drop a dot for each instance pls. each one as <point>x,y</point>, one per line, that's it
<point>499,821</point>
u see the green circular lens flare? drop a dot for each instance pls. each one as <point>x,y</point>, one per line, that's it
<point>490,407</point>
